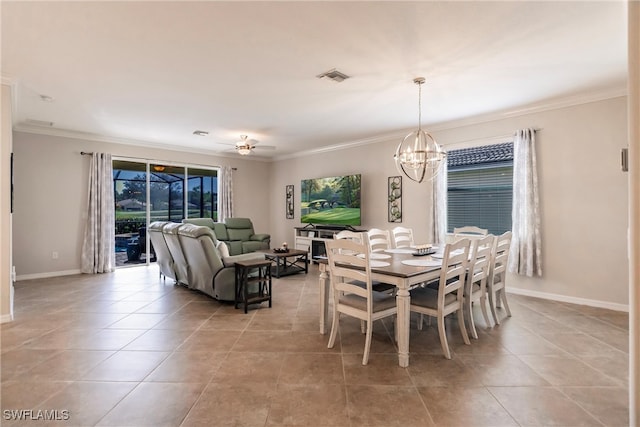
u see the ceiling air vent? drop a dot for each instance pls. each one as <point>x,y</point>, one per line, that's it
<point>334,75</point>
<point>200,132</point>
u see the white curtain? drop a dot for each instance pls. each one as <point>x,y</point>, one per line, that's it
<point>525,257</point>
<point>98,249</point>
<point>226,193</point>
<point>439,193</point>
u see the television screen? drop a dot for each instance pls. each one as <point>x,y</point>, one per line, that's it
<point>331,201</point>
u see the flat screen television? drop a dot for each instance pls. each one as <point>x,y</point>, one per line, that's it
<point>331,201</point>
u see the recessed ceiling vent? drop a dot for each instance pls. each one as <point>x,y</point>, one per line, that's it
<point>200,132</point>
<point>334,75</point>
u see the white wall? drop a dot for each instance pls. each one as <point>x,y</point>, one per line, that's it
<point>51,190</point>
<point>6,282</point>
<point>375,163</point>
<point>583,195</point>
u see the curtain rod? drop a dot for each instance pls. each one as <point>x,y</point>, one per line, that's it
<point>485,138</point>
<point>89,153</point>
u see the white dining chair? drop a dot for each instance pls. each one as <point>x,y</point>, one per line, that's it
<point>498,275</point>
<point>402,237</point>
<point>361,238</point>
<point>475,290</point>
<point>348,265</point>
<point>469,232</point>
<point>379,239</point>
<point>448,298</point>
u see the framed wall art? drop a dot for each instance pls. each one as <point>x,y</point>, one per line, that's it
<point>289,201</point>
<point>394,188</point>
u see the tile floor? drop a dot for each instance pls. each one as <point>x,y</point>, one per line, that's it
<point>126,349</point>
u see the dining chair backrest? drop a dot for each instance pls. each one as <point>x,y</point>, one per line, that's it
<point>349,267</point>
<point>480,260</point>
<point>351,235</point>
<point>379,239</point>
<point>353,289</point>
<point>454,269</point>
<point>475,290</point>
<point>354,236</point>
<point>469,232</point>
<point>402,237</point>
<point>496,284</point>
<point>500,257</point>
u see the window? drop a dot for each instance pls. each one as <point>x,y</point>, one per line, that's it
<point>175,192</point>
<point>480,187</point>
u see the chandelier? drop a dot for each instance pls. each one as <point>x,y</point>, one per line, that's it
<point>419,156</point>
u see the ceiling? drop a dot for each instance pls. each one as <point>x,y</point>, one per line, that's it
<point>153,72</point>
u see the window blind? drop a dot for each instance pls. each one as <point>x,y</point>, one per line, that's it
<point>480,193</point>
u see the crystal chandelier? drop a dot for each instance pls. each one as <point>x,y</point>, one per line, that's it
<point>419,156</point>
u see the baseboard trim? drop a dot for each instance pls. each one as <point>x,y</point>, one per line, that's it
<point>573,300</point>
<point>47,275</point>
<point>6,318</point>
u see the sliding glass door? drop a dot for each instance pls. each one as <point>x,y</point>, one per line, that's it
<point>146,192</point>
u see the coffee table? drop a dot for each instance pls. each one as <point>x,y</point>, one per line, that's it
<point>288,262</point>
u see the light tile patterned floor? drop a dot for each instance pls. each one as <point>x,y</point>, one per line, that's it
<point>127,349</point>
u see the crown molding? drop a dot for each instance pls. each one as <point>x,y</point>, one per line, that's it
<point>554,104</point>
<point>549,105</point>
<point>67,133</point>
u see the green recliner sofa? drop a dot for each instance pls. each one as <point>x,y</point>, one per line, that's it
<point>236,233</point>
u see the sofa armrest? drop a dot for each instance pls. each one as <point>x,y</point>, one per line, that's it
<point>229,261</point>
<point>261,237</point>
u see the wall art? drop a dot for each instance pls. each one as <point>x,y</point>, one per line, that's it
<point>289,201</point>
<point>394,188</point>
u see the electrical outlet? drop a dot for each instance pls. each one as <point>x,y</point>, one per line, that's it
<point>54,255</point>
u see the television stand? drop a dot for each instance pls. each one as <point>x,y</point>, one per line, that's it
<point>311,239</point>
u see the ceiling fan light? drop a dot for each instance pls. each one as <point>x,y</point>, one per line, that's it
<point>243,150</point>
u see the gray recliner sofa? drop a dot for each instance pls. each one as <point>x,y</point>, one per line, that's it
<point>208,269</point>
<point>163,255</point>
<point>237,233</point>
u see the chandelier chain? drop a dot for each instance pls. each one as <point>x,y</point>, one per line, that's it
<point>419,106</point>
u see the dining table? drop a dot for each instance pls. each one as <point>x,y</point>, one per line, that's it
<point>398,267</point>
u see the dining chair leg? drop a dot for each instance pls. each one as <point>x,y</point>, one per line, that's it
<point>334,329</point>
<point>503,295</point>
<point>483,307</point>
<point>492,305</point>
<point>443,337</point>
<point>463,328</point>
<point>363,327</point>
<point>367,343</point>
<point>468,312</point>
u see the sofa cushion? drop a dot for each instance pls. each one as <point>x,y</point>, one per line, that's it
<point>235,247</point>
<point>252,246</point>
<point>239,223</point>
<point>239,234</point>
<point>223,249</point>
<point>221,231</point>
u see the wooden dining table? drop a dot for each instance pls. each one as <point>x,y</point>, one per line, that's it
<point>403,276</point>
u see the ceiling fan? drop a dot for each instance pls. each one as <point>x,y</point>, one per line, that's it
<point>246,146</point>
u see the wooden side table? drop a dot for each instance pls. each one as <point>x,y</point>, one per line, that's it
<point>244,281</point>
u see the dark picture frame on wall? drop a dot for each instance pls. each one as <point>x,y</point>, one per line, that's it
<point>289,201</point>
<point>394,189</point>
